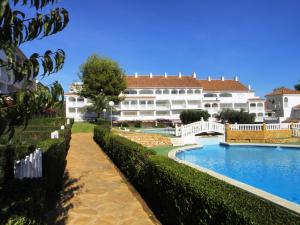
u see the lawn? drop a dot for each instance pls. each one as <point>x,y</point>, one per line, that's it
<point>83,127</point>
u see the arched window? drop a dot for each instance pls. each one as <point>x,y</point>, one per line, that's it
<point>174,92</point>
<point>181,92</point>
<point>80,99</point>
<point>210,95</point>
<point>260,105</point>
<point>166,92</point>
<point>72,99</point>
<point>197,92</point>
<point>158,92</point>
<point>130,92</point>
<point>190,92</point>
<point>225,95</point>
<point>215,105</point>
<point>207,105</point>
<point>286,102</point>
<point>146,92</point>
<point>252,105</point>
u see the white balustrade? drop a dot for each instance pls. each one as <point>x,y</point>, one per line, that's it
<point>296,132</point>
<point>246,127</point>
<point>199,127</point>
<point>30,167</point>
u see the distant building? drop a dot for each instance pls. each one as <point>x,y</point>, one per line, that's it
<point>76,106</point>
<point>7,78</point>
<point>284,104</point>
<point>149,98</point>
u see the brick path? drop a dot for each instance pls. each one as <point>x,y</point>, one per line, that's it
<point>95,192</point>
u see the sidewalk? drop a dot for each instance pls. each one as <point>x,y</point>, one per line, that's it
<point>95,193</point>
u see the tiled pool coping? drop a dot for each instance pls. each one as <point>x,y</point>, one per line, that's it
<point>263,194</point>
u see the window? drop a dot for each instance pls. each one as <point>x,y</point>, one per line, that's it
<point>225,95</point>
<point>142,102</point>
<point>166,92</point>
<point>151,102</point>
<point>286,102</point>
<point>133,102</point>
<point>210,95</point>
<point>72,110</point>
<point>260,105</point>
<point>146,113</point>
<point>215,105</point>
<point>207,105</point>
<point>174,92</point>
<point>190,92</point>
<point>130,92</point>
<point>146,92</point>
<point>252,105</point>
<point>162,113</point>
<point>72,99</point>
<point>158,92</point>
<point>260,114</point>
<point>125,102</point>
<point>80,99</point>
<point>197,92</point>
<point>228,105</point>
<point>181,92</point>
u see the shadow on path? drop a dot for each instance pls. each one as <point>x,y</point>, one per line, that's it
<point>58,213</point>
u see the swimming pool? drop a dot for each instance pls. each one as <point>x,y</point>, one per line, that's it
<point>272,169</point>
<point>167,130</point>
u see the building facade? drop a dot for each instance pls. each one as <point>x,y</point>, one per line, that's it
<point>284,104</point>
<point>149,98</point>
<point>77,106</point>
<point>7,78</point>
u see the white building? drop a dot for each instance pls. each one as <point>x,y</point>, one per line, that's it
<point>148,98</point>
<point>284,104</point>
<point>76,106</point>
<point>7,79</point>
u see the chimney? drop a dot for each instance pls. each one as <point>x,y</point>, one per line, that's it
<point>209,78</point>
<point>236,78</point>
<point>179,75</point>
<point>194,75</point>
<point>136,75</point>
<point>249,87</point>
<point>151,75</point>
<point>222,78</point>
<point>166,75</point>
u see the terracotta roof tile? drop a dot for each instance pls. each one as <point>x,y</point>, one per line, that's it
<point>161,81</point>
<point>184,81</point>
<point>283,91</point>
<point>219,85</point>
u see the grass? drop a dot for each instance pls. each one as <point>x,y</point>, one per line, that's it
<point>83,127</point>
<point>165,149</point>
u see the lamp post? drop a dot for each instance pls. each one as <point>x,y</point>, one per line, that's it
<point>111,104</point>
<point>104,113</point>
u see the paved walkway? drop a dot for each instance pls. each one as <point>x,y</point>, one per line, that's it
<point>95,192</point>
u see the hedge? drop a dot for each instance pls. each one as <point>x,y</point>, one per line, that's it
<point>26,201</point>
<point>190,116</point>
<point>23,202</point>
<point>179,194</point>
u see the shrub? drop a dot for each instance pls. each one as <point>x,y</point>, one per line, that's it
<point>233,116</point>
<point>138,124</point>
<point>179,194</point>
<point>23,201</point>
<point>190,116</point>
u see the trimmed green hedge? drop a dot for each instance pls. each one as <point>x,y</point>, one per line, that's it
<point>23,202</point>
<point>179,194</point>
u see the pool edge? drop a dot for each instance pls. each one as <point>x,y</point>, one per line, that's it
<point>263,194</point>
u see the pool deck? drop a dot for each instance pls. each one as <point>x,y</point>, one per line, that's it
<point>263,194</point>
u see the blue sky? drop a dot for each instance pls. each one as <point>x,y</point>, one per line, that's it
<point>257,40</point>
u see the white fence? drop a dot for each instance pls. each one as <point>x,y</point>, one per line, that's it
<point>30,167</point>
<point>199,127</point>
<point>202,126</point>
<point>258,127</point>
<point>296,132</point>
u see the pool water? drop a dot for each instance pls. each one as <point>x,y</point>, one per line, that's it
<point>168,130</point>
<point>273,169</point>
